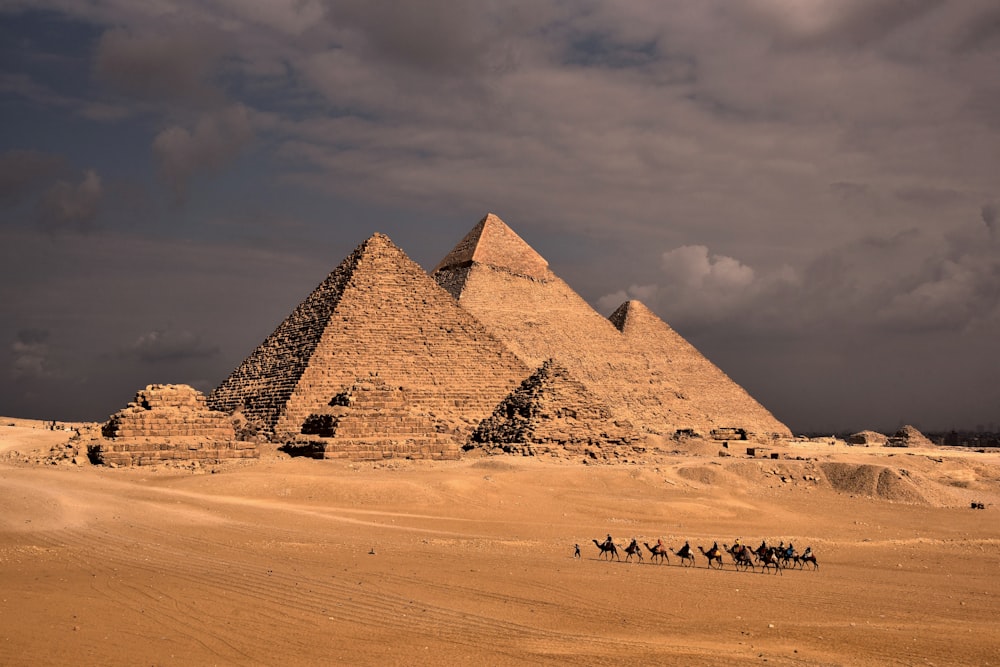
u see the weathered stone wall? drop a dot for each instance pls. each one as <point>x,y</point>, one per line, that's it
<point>372,421</point>
<point>168,423</point>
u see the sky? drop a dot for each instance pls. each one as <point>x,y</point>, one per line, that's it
<point>807,190</point>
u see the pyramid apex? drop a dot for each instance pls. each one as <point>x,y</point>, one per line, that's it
<point>492,243</point>
<point>627,315</point>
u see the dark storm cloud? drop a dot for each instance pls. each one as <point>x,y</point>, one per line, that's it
<point>69,205</point>
<point>170,345</point>
<point>979,32</point>
<point>159,66</point>
<point>30,355</point>
<point>216,138</point>
<point>804,172</point>
<point>444,36</point>
<point>989,214</point>
<point>25,172</point>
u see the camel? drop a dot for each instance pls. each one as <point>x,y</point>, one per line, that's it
<point>684,553</point>
<point>741,556</point>
<point>788,555</point>
<point>769,558</point>
<point>807,557</point>
<point>657,552</point>
<point>608,549</point>
<point>713,554</point>
<point>633,550</point>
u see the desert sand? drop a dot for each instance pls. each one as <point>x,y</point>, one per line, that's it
<point>296,561</point>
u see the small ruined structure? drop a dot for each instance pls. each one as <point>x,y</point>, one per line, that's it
<point>552,413</point>
<point>377,315</point>
<point>634,363</point>
<point>867,439</point>
<point>168,423</point>
<point>908,436</point>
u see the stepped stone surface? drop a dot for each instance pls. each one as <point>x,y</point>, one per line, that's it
<point>372,421</point>
<point>538,316</point>
<point>552,413</point>
<point>377,314</point>
<point>908,436</point>
<point>168,423</point>
<point>708,397</point>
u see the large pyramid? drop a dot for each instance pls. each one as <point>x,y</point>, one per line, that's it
<point>505,284</point>
<point>378,315</point>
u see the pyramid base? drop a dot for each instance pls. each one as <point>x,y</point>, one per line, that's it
<point>380,449</point>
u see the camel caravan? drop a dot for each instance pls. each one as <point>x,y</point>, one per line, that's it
<point>768,558</point>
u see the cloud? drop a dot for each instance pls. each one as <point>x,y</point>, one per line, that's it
<point>42,95</point>
<point>691,266</point>
<point>989,216</point>
<point>170,345</point>
<point>31,355</point>
<point>24,172</point>
<point>215,139</point>
<point>696,287</point>
<point>159,66</point>
<point>71,206</point>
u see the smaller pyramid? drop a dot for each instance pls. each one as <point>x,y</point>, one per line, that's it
<point>692,386</point>
<point>552,413</point>
<point>168,423</point>
<point>909,436</point>
<point>492,243</point>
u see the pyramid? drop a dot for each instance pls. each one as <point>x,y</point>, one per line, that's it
<point>380,315</point>
<point>704,388</point>
<point>507,286</point>
<point>551,412</point>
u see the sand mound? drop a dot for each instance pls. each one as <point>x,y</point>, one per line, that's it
<point>702,474</point>
<point>872,480</point>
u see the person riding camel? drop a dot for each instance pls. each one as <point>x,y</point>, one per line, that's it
<point>685,550</point>
<point>715,548</point>
<point>790,551</point>
<point>659,545</point>
<point>609,541</point>
<point>808,552</point>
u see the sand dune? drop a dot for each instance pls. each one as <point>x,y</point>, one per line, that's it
<point>295,561</point>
